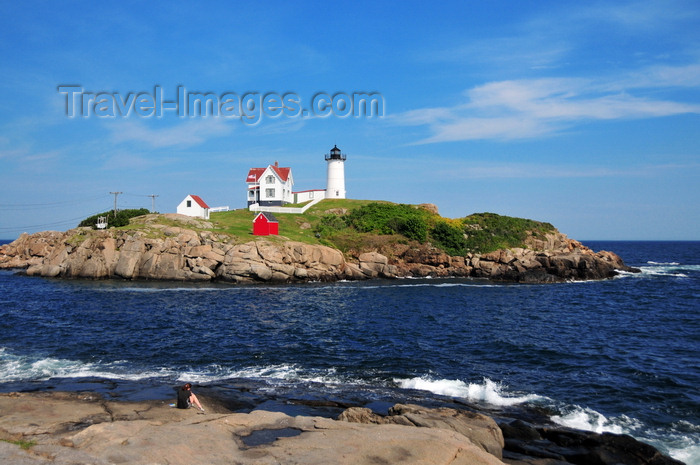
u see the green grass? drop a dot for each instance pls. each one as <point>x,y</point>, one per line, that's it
<point>239,223</point>
<point>77,239</point>
<point>26,445</point>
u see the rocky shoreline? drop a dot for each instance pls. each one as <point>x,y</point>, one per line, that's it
<point>64,428</point>
<point>189,253</point>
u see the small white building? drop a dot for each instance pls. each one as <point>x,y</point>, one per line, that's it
<point>312,194</point>
<point>193,205</point>
<point>271,186</point>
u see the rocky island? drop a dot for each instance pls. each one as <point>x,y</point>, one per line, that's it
<point>180,248</point>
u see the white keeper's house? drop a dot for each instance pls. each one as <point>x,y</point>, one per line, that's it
<point>271,186</point>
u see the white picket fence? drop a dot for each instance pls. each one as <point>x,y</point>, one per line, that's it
<point>257,208</point>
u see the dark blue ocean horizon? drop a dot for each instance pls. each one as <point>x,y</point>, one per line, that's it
<point>619,355</point>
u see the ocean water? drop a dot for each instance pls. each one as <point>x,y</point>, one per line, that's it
<point>620,355</point>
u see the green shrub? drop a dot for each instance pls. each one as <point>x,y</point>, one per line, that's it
<point>449,238</point>
<point>386,218</point>
<point>480,232</point>
<point>122,218</point>
<point>488,231</point>
<point>330,224</point>
<point>412,227</point>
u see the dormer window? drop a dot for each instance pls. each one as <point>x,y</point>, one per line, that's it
<point>270,179</point>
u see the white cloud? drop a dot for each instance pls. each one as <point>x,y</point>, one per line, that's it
<point>527,108</point>
<point>525,50</point>
<point>185,134</point>
<point>470,171</point>
<point>642,14</point>
<point>15,154</point>
<point>457,168</point>
<point>660,76</point>
<point>566,98</point>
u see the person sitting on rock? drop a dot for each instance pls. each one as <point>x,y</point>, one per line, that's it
<point>185,397</point>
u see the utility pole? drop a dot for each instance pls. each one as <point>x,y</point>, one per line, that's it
<point>153,202</point>
<point>115,194</point>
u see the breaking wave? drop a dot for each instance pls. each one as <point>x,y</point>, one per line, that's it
<point>487,392</point>
<point>24,368</point>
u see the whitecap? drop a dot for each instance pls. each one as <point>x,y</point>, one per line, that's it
<point>488,392</point>
<point>688,453</point>
<point>286,373</point>
<point>22,368</point>
<point>662,269</point>
<point>585,418</point>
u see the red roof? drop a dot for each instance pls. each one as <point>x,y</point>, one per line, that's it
<point>255,173</point>
<point>282,172</point>
<point>199,201</point>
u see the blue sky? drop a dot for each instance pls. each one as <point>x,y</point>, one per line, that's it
<point>582,114</point>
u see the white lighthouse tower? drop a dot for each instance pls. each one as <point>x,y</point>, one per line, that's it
<point>335,187</point>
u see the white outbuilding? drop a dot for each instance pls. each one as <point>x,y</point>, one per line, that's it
<point>193,205</point>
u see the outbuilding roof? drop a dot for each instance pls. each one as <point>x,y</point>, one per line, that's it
<point>268,216</point>
<point>199,201</point>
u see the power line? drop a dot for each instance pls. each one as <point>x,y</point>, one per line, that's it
<point>115,201</point>
<point>135,195</point>
<point>6,206</point>
<point>57,223</point>
<point>153,202</point>
<point>71,221</point>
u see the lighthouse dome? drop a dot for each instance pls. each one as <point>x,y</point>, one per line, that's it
<point>335,154</point>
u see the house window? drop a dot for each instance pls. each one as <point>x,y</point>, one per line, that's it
<point>251,194</point>
<point>269,193</point>
<point>270,179</point>
<point>189,203</point>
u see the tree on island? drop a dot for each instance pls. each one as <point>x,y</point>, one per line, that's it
<point>121,219</point>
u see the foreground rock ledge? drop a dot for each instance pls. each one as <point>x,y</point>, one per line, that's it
<point>79,428</point>
<point>189,254</point>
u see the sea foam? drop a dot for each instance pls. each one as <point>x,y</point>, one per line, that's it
<point>589,420</point>
<point>681,443</point>
<point>488,392</point>
<point>673,269</point>
<point>24,368</point>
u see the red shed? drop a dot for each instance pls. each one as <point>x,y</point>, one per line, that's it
<point>265,224</point>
